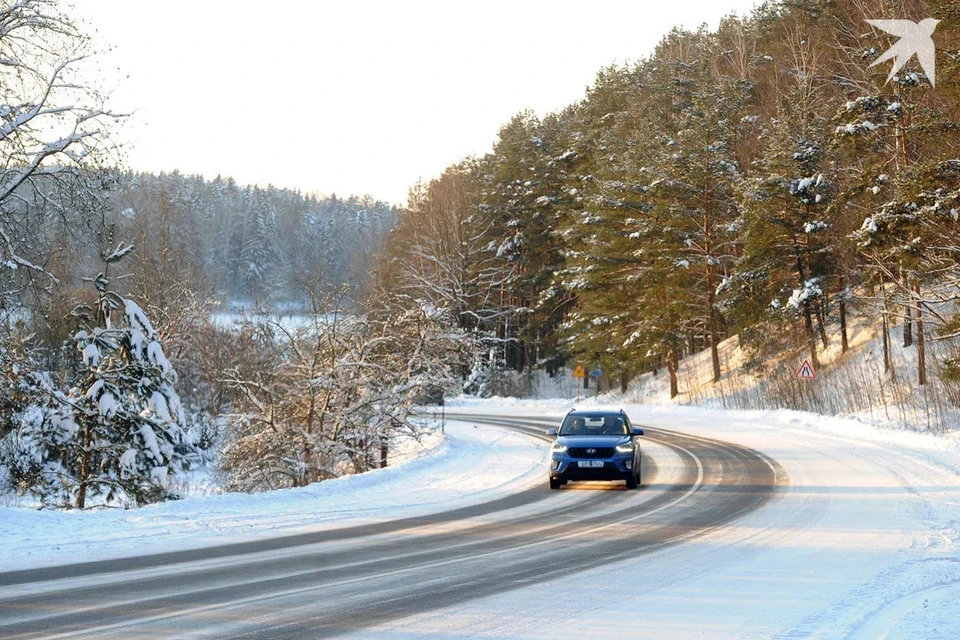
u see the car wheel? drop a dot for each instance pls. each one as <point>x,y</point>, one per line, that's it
<point>556,483</point>
<point>632,481</point>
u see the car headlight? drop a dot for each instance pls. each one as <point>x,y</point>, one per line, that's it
<point>558,448</point>
<point>626,447</point>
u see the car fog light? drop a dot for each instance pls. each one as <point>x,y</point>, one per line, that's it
<point>629,464</point>
<point>555,465</point>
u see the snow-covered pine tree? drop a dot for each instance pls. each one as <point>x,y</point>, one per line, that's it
<point>695,177</point>
<point>524,191</point>
<point>787,260</point>
<point>130,441</point>
<point>36,425</point>
<point>115,436</point>
<point>907,130</point>
<point>609,232</point>
<point>260,254</point>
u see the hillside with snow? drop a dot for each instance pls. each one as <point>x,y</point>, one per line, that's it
<point>851,384</point>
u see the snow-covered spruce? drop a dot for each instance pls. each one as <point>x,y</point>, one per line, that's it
<point>130,438</point>
<point>115,437</point>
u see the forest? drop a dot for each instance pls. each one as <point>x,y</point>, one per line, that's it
<point>758,180</point>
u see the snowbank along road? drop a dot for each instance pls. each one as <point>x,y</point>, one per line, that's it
<point>350,579</point>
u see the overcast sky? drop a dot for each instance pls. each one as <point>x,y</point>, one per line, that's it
<point>355,97</point>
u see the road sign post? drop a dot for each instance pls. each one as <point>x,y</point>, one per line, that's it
<point>579,374</point>
<point>805,372</point>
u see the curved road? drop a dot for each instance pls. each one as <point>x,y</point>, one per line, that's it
<point>348,579</point>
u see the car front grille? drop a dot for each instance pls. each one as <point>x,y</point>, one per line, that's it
<point>590,452</point>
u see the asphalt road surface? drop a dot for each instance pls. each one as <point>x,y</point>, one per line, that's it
<point>345,580</point>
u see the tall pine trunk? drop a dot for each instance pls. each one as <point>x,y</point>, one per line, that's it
<point>714,348</point>
<point>811,337</point>
<point>921,350</point>
<point>908,326</point>
<point>84,465</point>
<point>844,345</point>
<point>886,345</point>
<point>711,290</point>
<point>886,332</point>
<point>908,319</point>
<point>903,160</point>
<point>821,323</point>
<point>807,312</point>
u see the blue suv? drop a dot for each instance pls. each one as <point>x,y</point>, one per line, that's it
<point>595,445</point>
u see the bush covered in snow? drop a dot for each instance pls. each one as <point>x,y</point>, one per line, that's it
<point>341,389</point>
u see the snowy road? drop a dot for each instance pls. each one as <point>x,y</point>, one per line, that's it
<point>411,570</point>
<point>863,544</point>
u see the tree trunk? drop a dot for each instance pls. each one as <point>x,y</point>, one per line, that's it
<point>908,321</point>
<point>821,323</point>
<point>807,314</point>
<point>844,346</point>
<point>921,351</point>
<point>672,366</point>
<point>624,381</point>
<point>383,453</point>
<point>714,340</point>
<point>711,290</point>
<point>886,344</point>
<point>908,327</point>
<point>84,466</point>
<point>886,332</point>
<point>310,471</point>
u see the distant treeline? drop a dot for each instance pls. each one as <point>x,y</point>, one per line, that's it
<point>252,243</point>
<point>231,243</point>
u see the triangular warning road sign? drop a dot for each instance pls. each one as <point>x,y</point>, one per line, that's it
<point>579,372</point>
<point>806,372</point>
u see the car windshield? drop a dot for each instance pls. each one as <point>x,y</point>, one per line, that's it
<point>594,425</point>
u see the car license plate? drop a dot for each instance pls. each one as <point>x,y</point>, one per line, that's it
<point>590,464</point>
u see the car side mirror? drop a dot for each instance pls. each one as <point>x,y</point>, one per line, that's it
<point>552,432</point>
<point>636,432</point>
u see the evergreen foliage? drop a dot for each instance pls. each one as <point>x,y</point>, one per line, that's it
<point>760,175</point>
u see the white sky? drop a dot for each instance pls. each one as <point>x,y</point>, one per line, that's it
<point>354,97</point>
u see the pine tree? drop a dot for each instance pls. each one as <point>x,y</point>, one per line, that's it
<point>609,229</point>
<point>130,440</point>
<point>788,263</point>
<point>695,177</point>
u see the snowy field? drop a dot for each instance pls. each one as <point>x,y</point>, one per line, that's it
<point>863,543</point>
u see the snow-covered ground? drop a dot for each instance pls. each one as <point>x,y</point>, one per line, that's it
<point>432,481</point>
<point>852,383</point>
<point>864,543</point>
